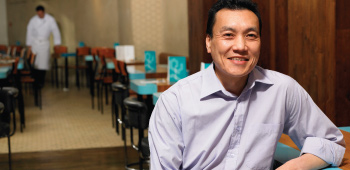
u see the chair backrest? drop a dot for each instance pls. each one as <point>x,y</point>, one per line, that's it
<point>116,66</point>
<point>15,50</point>
<point>137,113</point>
<point>124,78</point>
<point>59,49</point>
<point>23,52</point>
<point>82,51</point>
<point>3,49</point>
<point>109,53</point>
<point>15,65</point>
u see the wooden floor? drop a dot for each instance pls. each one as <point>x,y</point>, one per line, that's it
<point>82,159</point>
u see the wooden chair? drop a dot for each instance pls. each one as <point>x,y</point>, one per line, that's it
<point>3,49</point>
<point>163,58</point>
<point>29,78</point>
<point>81,52</point>
<point>105,77</point>
<point>15,50</point>
<point>58,50</point>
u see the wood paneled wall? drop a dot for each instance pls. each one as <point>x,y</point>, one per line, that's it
<point>197,23</point>
<point>304,39</point>
<point>311,36</point>
<point>342,56</point>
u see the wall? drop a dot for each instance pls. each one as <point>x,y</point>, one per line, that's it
<point>307,40</point>
<point>342,52</point>
<point>91,21</point>
<point>175,27</point>
<point>3,23</point>
<point>149,25</point>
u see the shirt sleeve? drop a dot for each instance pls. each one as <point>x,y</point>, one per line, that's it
<point>164,135</point>
<point>29,38</point>
<point>310,128</point>
<point>56,32</point>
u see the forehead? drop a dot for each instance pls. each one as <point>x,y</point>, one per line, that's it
<point>235,18</point>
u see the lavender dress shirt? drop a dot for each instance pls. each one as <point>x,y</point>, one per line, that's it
<point>197,124</point>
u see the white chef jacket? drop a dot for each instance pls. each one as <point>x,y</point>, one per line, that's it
<point>38,34</point>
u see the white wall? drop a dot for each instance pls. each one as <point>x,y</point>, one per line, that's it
<point>3,23</point>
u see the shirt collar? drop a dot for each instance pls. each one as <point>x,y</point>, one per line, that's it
<point>257,75</point>
<point>211,83</point>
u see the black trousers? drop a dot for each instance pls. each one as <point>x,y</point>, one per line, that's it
<point>39,76</point>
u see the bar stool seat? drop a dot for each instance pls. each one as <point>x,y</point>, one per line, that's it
<point>11,90</point>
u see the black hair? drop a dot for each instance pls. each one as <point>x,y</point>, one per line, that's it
<point>40,8</point>
<point>233,5</point>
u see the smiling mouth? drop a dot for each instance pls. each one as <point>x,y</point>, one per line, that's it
<point>238,59</point>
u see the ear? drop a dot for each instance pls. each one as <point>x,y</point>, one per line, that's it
<point>208,43</point>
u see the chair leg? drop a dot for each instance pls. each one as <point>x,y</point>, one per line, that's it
<point>101,98</point>
<point>98,96</point>
<point>113,111</point>
<point>40,99</point>
<point>9,145</point>
<point>106,91</point>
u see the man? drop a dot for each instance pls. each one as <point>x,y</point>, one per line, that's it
<point>38,33</point>
<point>231,115</point>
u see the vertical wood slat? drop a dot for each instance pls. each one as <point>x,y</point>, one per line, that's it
<point>265,52</point>
<point>197,18</point>
<point>342,93</point>
<point>311,49</point>
<point>281,38</point>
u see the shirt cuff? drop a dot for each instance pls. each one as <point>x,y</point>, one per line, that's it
<point>330,152</point>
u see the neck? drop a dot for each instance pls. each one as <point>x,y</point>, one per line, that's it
<point>234,85</point>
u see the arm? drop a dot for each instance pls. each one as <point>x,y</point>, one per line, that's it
<point>165,134</point>
<point>320,141</point>
<point>56,32</point>
<point>306,161</point>
<point>29,37</point>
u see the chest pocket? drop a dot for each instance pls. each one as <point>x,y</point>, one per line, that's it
<point>261,142</point>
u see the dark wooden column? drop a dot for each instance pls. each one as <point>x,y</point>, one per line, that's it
<point>197,22</point>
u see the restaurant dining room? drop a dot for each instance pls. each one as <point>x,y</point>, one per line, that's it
<point>122,84</point>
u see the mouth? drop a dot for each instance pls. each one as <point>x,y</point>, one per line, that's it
<point>238,59</point>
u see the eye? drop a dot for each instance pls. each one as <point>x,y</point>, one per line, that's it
<point>228,35</point>
<point>252,36</point>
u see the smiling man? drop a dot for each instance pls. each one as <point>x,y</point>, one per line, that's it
<point>231,115</point>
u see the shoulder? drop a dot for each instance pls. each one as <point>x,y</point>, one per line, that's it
<point>277,78</point>
<point>35,17</point>
<point>192,81</point>
<point>49,17</point>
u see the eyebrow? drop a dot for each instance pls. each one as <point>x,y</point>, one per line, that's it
<point>227,28</point>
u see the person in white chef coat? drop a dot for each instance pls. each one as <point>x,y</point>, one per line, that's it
<point>39,29</point>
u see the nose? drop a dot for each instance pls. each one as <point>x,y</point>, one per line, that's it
<point>239,44</point>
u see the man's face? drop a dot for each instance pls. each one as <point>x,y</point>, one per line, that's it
<point>40,13</point>
<point>235,45</point>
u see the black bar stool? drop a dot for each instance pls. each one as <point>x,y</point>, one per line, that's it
<point>120,92</point>
<point>138,118</point>
<point>6,108</point>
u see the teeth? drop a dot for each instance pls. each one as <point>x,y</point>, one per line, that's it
<point>238,59</point>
